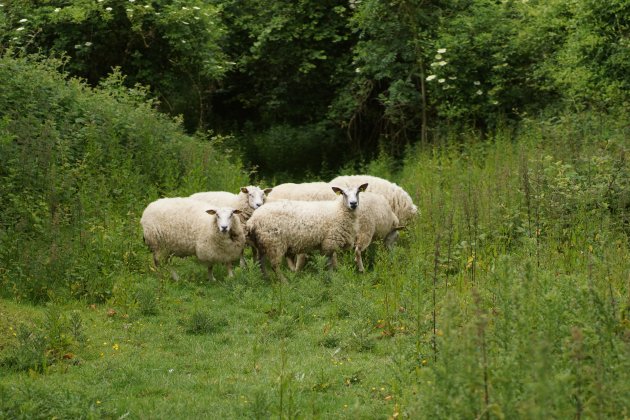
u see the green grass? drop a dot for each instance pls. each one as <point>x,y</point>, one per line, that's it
<point>508,298</point>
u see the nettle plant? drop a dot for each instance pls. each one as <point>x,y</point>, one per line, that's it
<point>168,45</point>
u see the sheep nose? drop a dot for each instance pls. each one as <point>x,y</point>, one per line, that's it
<point>353,205</point>
<point>223,228</point>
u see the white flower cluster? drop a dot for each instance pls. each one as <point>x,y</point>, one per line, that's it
<point>440,62</point>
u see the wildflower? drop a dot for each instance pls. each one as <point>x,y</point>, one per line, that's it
<point>23,20</point>
<point>88,44</point>
<point>21,28</point>
<point>109,9</point>
<point>57,10</point>
<point>438,56</point>
<point>441,50</point>
<point>184,8</point>
<point>115,347</point>
<point>479,92</point>
<point>171,370</point>
<point>495,102</point>
<point>77,46</point>
<point>452,78</point>
<point>441,80</point>
<point>476,83</point>
<point>98,402</point>
<point>131,1</point>
<point>431,77</point>
<point>424,362</point>
<point>196,8</point>
<point>442,63</point>
<point>185,23</point>
<point>357,70</point>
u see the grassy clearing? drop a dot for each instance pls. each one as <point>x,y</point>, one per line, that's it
<point>509,297</point>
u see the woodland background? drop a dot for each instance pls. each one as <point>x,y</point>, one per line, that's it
<point>507,122</point>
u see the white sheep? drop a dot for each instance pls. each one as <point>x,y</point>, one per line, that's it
<point>399,200</point>
<point>377,221</point>
<point>295,227</point>
<point>184,227</point>
<point>247,200</point>
<point>308,191</point>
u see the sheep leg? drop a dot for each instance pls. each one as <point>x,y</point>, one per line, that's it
<point>261,264</point>
<point>390,239</point>
<point>291,263</point>
<point>278,271</point>
<point>332,261</point>
<point>300,262</point>
<point>242,261</point>
<point>210,275</point>
<point>229,269</point>
<point>358,259</point>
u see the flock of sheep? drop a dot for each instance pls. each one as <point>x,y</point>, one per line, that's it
<point>284,222</point>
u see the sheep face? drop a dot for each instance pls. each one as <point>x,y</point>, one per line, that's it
<point>350,195</point>
<point>255,196</point>
<point>224,218</point>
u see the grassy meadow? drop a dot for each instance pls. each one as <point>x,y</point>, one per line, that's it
<point>507,298</point>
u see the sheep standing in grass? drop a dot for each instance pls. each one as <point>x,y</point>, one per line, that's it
<point>308,191</point>
<point>247,200</point>
<point>295,227</point>
<point>399,200</point>
<point>377,221</point>
<point>184,227</point>
<point>376,218</point>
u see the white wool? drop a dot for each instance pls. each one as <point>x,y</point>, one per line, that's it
<point>183,227</point>
<point>291,227</point>
<point>399,200</point>
<point>308,191</point>
<point>377,222</point>
<point>247,200</point>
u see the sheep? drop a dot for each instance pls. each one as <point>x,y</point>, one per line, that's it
<point>377,221</point>
<point>309,191</point>
<point>293,227</point>
<point>247,200</point>
<point>399,200</point>
<point>184,227</point>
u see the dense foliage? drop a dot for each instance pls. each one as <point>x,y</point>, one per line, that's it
<point>335,80</point>
<point>507,297</point>
<point>77,166</point>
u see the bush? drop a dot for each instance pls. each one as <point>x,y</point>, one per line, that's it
<point>77,167</point>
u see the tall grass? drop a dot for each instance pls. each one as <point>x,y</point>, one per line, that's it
<point>508,297</point>
<point>77,167</point>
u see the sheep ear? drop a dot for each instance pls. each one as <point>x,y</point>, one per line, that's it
<point>363,187</point>
<point>244,190</point>
<point>267,190</point>
<point>211,211</point>
<point>236,211</point>
<point>337,190</point>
